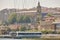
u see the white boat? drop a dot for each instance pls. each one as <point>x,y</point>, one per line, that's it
<point>25,34</point>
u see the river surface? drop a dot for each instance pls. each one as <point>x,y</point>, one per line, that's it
<point>9,39</point>
<point>13,39</point>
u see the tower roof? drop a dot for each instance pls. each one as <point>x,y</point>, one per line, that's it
<point>38,3</point>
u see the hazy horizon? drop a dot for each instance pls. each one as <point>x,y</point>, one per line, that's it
<point>20,4</point>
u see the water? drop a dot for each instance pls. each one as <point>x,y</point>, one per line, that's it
<point>9,39</point>
<point>13,39</point>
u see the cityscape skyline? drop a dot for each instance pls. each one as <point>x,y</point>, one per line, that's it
<point>20,4</point>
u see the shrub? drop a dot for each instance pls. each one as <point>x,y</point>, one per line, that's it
<point>48,32</point>
<point>44,32</point>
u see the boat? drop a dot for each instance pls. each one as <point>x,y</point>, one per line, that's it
<point>25,34</point>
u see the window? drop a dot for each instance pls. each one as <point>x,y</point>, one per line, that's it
<point>29,33</point>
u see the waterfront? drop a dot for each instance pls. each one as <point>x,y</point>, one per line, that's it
<point>44,37</point>
<point>14,39</point>
<point>9,39</point>
<point>35,19</point>
<point>32,39</point>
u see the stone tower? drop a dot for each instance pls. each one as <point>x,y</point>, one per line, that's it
<point>39,16</point>
<point>38,8</point>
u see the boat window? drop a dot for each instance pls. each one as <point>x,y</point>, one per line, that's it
<point>29,33</point>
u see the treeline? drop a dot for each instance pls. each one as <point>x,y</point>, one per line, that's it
<point>13,18</point>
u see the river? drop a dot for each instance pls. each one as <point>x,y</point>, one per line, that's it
<point>9,39</point>
<point>13,39</point>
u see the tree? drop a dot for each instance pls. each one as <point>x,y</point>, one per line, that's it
<point>24,19</point>
<point>23,28</point>
<point>49,14</point>
<point>12,18</point>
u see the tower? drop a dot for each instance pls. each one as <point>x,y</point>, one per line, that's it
<point>38,8</point>
<point>39,15</point>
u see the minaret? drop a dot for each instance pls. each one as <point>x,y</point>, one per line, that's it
<point>39,16</point>
<point>38,8</point>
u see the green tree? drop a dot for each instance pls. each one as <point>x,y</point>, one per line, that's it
<point>24,19</point>
<point>49,14</point>
<point>23,28</point>
<point>12,18</point>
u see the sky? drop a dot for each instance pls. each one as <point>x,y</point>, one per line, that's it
<point>28,3</point>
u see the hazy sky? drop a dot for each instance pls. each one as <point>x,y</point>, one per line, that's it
<point>28,3</point>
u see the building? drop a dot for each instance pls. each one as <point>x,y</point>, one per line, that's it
<point>57,24</point>
<point>47,23</point>
<point>49,18</point>
<point>32,13</point>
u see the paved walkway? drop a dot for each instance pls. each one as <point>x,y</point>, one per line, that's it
<point>51,35</point>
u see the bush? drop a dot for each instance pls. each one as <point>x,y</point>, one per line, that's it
<point>47,32</point>
<point>23,28</point>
